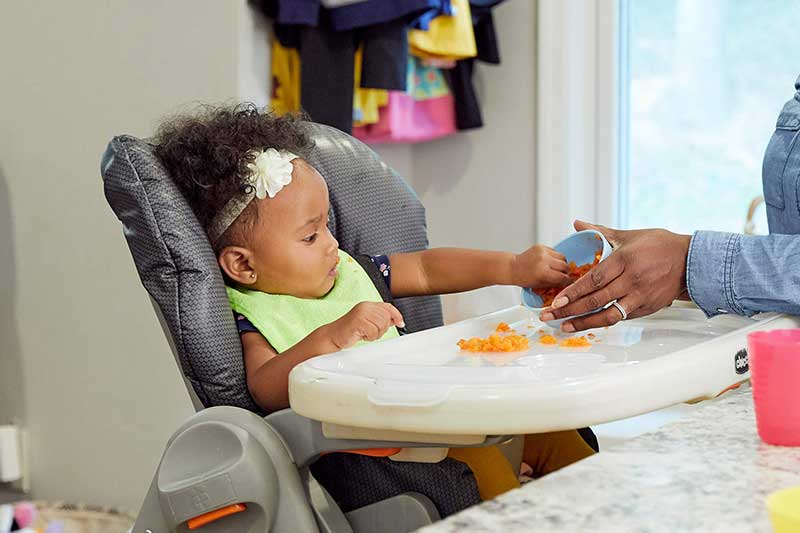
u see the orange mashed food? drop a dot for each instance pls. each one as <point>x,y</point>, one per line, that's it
<point>548,339</point>
<point>575,342</point>
<point>501,340</point>
<point>576,272</point>
<point>572,342</point>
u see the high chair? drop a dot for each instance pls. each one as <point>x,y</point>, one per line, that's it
<point>232,467</point>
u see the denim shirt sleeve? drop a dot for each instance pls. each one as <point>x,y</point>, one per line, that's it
<point>732,273</point>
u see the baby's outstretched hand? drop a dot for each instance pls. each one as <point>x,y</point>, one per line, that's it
<point>367,321</point>
<point>540,266</point>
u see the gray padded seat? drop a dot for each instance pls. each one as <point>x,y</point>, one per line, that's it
<point>372,211</point>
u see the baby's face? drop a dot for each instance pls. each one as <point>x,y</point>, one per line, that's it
<point>293,252</point>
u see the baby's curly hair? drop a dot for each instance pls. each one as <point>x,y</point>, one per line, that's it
<point>206,152</point>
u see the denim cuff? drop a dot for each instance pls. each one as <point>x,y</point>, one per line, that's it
<point>709,271</point>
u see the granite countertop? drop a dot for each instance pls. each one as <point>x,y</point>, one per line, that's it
<point>706,472</point>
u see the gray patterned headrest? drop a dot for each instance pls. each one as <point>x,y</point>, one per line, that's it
<point>372,211</point>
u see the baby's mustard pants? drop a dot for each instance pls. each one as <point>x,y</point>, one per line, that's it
<point>544,453</point>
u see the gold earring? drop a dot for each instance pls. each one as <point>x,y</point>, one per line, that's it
<point>252,275</point>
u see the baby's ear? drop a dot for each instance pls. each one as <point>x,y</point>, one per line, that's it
<point>235,262</point>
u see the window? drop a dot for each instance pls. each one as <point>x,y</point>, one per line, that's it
<point>701,85</point>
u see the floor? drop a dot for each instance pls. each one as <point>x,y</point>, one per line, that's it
<point>9,493</point>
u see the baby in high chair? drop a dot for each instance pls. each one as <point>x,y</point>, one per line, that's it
<point>295,294</point>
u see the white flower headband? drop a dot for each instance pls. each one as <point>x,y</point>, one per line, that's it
<point>270,171</point>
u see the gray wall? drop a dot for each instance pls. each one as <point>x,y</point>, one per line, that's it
<point>83,363</point>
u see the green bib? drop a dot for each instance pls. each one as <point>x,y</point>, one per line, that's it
<point>285,320</point>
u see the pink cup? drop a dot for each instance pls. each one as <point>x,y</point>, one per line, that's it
<point>774,358</point>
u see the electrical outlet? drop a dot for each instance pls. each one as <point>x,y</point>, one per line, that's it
<point>10,457</point>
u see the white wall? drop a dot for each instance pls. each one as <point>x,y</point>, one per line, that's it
<point>84,364</point>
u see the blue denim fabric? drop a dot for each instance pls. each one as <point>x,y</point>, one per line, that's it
<point>732,273</point>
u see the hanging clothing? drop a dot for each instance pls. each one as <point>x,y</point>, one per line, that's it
<point>449,37</point>
<point>366,102</point>
<point>327,73</point>
<point>329,4</point>
<point>385,55</point>
<point>297,12</point>
<point>467,108</point>
<point>326,34</point>
<point>483,27</point>
<point>423,22</point>
<point>347,15</point>
<point>422,113</point>
<point>327,67</point>
<point>372,12</point>
<point>285,79</point>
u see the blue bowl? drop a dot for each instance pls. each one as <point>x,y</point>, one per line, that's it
<point>580,248</point>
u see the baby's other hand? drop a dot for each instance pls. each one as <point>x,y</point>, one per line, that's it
<point>367,321</point>
<point>540,266</point>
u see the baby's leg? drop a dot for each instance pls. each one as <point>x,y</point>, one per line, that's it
<point>492,471</point>
<point>547,452</point>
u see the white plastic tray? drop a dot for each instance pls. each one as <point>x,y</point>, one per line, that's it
<point>423,383</point>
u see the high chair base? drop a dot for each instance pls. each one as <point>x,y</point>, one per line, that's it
<point>224,456</point>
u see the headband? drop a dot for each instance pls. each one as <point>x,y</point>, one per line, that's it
<point>270,171</point>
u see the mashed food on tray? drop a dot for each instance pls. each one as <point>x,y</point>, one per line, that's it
<point>503,339</point>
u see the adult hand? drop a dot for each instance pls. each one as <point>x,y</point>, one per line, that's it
<point>646,272</point>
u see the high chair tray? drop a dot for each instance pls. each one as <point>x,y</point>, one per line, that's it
<point>423,383</point>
